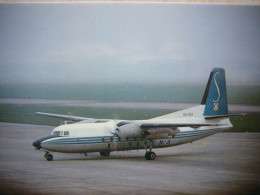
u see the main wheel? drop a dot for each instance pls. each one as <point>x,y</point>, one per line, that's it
<point>107,153</point>
<point>147,155</point>
<point>49,157</point>
<point>150,155</point>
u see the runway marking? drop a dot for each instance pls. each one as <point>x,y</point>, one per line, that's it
<point>238,139</point>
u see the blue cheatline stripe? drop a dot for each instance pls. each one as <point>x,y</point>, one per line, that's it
<point>78,139</point>
<point>194,135</point>
<point>195,131</point>
<point>183,134</point>
<point>84,139</point>
<point>95,140</point>
<point>72,143</point>
<point>191,132</point>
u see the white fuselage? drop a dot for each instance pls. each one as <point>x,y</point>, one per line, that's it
<point>96,137</point>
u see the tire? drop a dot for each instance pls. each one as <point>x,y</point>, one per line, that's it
<point>147,155</point>
<point>49,157</point>
<point>107,153</point>
<point>152,156</point>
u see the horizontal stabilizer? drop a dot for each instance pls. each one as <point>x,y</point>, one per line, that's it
<point>65,117</point>
<point>224,116</point>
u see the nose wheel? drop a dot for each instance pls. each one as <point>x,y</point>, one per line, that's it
<point>48,156</point>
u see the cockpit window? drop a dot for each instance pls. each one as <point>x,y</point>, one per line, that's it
<point>61,133</point>
<point>66,133</point>
<point>56,133</point>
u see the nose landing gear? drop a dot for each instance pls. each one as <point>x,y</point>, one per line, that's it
<point>48,156</point>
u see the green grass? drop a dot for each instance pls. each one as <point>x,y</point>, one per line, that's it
<point>248,123</point>
<point>118,93</point>
<point>127,92</point>
<point>26,114</point>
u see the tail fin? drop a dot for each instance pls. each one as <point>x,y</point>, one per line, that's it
<point>215,95</point>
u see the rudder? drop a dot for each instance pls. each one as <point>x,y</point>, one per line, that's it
<point>215,95</point>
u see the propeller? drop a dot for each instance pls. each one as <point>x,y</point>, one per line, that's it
<point>115,142</point>
<point>116,134</point>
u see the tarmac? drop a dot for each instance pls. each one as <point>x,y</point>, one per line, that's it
<point>225,163</point>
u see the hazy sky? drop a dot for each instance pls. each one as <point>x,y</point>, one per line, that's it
<point>133,43</point>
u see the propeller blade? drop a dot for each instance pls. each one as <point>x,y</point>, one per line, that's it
<point>115,142</point>
<point>115,133</point>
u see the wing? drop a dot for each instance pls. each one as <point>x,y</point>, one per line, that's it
<point>153,129</point>
<point>145,125</point>
<point>73,118</point>
<point>176,125</point>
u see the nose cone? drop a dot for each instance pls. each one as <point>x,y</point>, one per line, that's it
<point>37,144</point>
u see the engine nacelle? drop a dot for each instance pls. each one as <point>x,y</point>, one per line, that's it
<point>129,130</point>
<point>157,136</point>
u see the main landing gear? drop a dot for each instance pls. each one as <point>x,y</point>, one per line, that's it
<point>48,156</point>
<point>106,153</point>
<point>149,155</point>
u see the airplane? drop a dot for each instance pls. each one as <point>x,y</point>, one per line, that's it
<point>86,135</point>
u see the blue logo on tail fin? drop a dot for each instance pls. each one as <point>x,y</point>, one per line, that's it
<point>215,96</point>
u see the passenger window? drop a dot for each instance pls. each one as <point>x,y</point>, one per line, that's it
<point>103,139</point>
<point>66,133</point>
<point>111,139</point>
